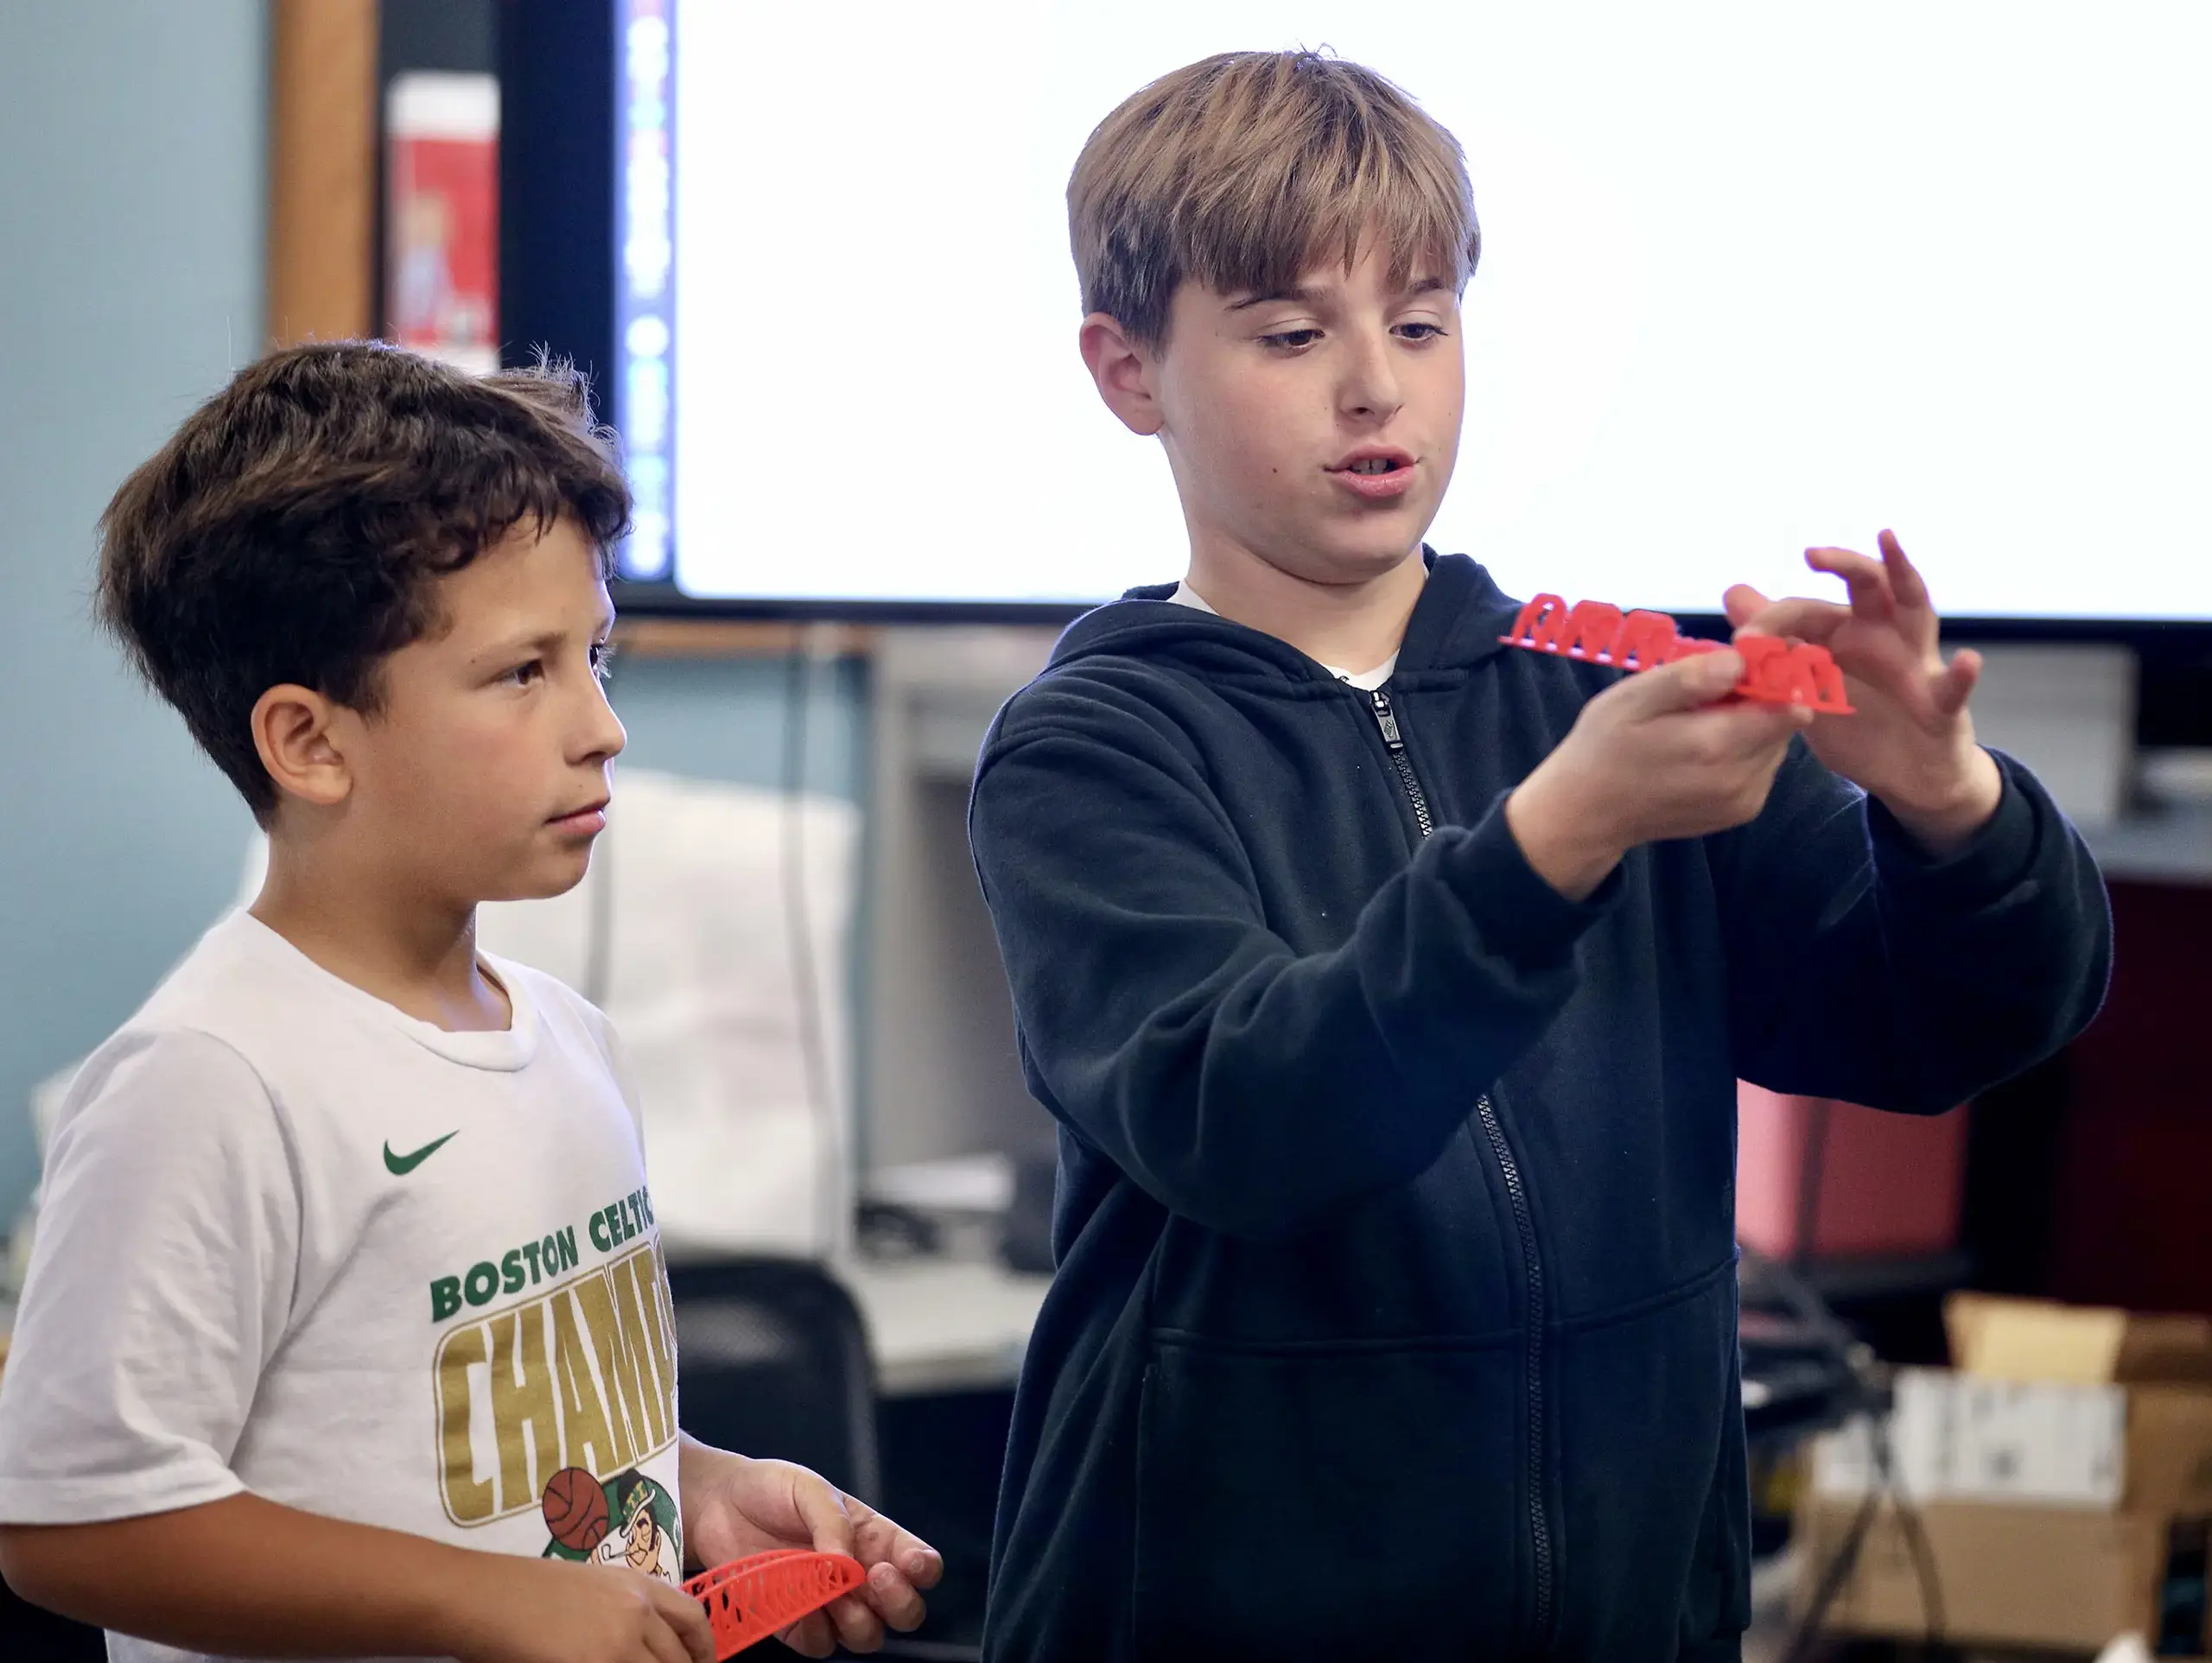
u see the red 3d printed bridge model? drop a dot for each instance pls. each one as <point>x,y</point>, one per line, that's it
<point>1776,670</point>
<point>748,1600</point>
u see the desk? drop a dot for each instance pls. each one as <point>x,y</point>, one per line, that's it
<point>2172,845</point>
<point>939,1325</point>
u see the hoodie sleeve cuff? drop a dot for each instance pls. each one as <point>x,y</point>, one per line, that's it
<point>1996,859</point>
<point>1517,914</point>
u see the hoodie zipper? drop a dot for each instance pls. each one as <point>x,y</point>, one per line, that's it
<point>1386,718</point>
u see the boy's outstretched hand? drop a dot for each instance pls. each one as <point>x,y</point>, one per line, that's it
<point>1910,744</point>
<point>734,1506</point>
<point>1653,756</point>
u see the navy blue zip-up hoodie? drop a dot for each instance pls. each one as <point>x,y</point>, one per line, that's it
<point>1395,1304</point>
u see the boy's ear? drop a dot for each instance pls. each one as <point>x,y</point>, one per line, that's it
<point>1123,371</point>
<point>292,733</point>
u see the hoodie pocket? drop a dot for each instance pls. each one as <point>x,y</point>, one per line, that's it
<point>1345,1500</point>
<point>1716,1607</point>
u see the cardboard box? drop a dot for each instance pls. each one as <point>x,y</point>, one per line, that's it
<point>2169,1449</point>
<point>1958,1438</point>
<point>2058,1578</point>
<point>2041,1340</point>
<point>2061,1474</point>
<point>2163,1362</point>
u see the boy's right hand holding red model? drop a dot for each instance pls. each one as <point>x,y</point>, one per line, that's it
<point>1651,757</point>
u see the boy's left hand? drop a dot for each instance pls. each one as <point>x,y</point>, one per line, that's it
<point>734,1506</point>
<point>1911,743</point>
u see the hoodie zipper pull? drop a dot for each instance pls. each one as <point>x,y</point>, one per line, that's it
<point>1388,720</point>
<point>1395,743</point>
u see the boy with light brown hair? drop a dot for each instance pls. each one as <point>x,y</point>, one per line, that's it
<point>1391,988</point>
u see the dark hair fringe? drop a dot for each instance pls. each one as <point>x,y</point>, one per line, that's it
<point>294,528</point>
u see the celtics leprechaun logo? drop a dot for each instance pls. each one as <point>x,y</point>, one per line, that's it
<point>625,1520</point>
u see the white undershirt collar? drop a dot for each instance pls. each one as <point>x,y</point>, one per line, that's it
<point>1366,680</point>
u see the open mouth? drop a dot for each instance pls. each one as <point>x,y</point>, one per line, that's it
<point>1376,473</point>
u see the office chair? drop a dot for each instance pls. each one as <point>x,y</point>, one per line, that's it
<point>772,1359</point>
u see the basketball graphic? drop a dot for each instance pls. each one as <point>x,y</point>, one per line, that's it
<point>576,1509</point>
<point>624,1519</point>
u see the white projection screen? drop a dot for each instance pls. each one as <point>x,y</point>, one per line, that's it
<point>1755,276</point>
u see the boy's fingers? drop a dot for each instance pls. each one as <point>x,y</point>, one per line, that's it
<point>1687,683</point>
<point>1800,616</point>
<point>922,1565</point>
<point>1754,726</point>
<point>809,1636</point>
<point>859,1630</point>
<point>894,1598</point>
<point>687,1620</point>
<point>1868,580</point>
<point>1956,684</point>
<point>1906,582</point>
<point>877,1541</point>
<point>822,1510</point>
<point>1742,603</point>
<point>667,1647</point>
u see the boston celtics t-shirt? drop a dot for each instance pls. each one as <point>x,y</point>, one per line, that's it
<point>294,1242</point>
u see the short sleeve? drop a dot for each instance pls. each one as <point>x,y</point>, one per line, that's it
<point>626,1076</point>
<point>160,1284</point>
<point>618,1062</point>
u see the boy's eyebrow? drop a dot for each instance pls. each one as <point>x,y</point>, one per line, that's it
<point>536,646</point>
<point>1303,293</point>
<point>1294,293</point>
<point>544,641</point>
<point>1307,294</point>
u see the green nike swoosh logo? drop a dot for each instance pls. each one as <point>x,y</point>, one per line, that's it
<point>400,1166</point>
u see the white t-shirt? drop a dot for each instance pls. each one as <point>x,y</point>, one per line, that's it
<point>294,1242</point>
<point>1366,680</point>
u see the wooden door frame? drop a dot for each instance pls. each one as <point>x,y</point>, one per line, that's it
<point>322,169</point>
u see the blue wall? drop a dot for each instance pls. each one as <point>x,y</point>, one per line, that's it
<point>720,718</point>
<point>131,285</point>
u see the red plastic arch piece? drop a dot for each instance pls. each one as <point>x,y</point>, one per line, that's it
<point>748,1600</point>
<point>1775,671</point>
<point>1541,623</point>
<point>1592,628</point>
<point>1646,639</point>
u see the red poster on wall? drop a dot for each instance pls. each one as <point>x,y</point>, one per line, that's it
<point>441,225</point>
